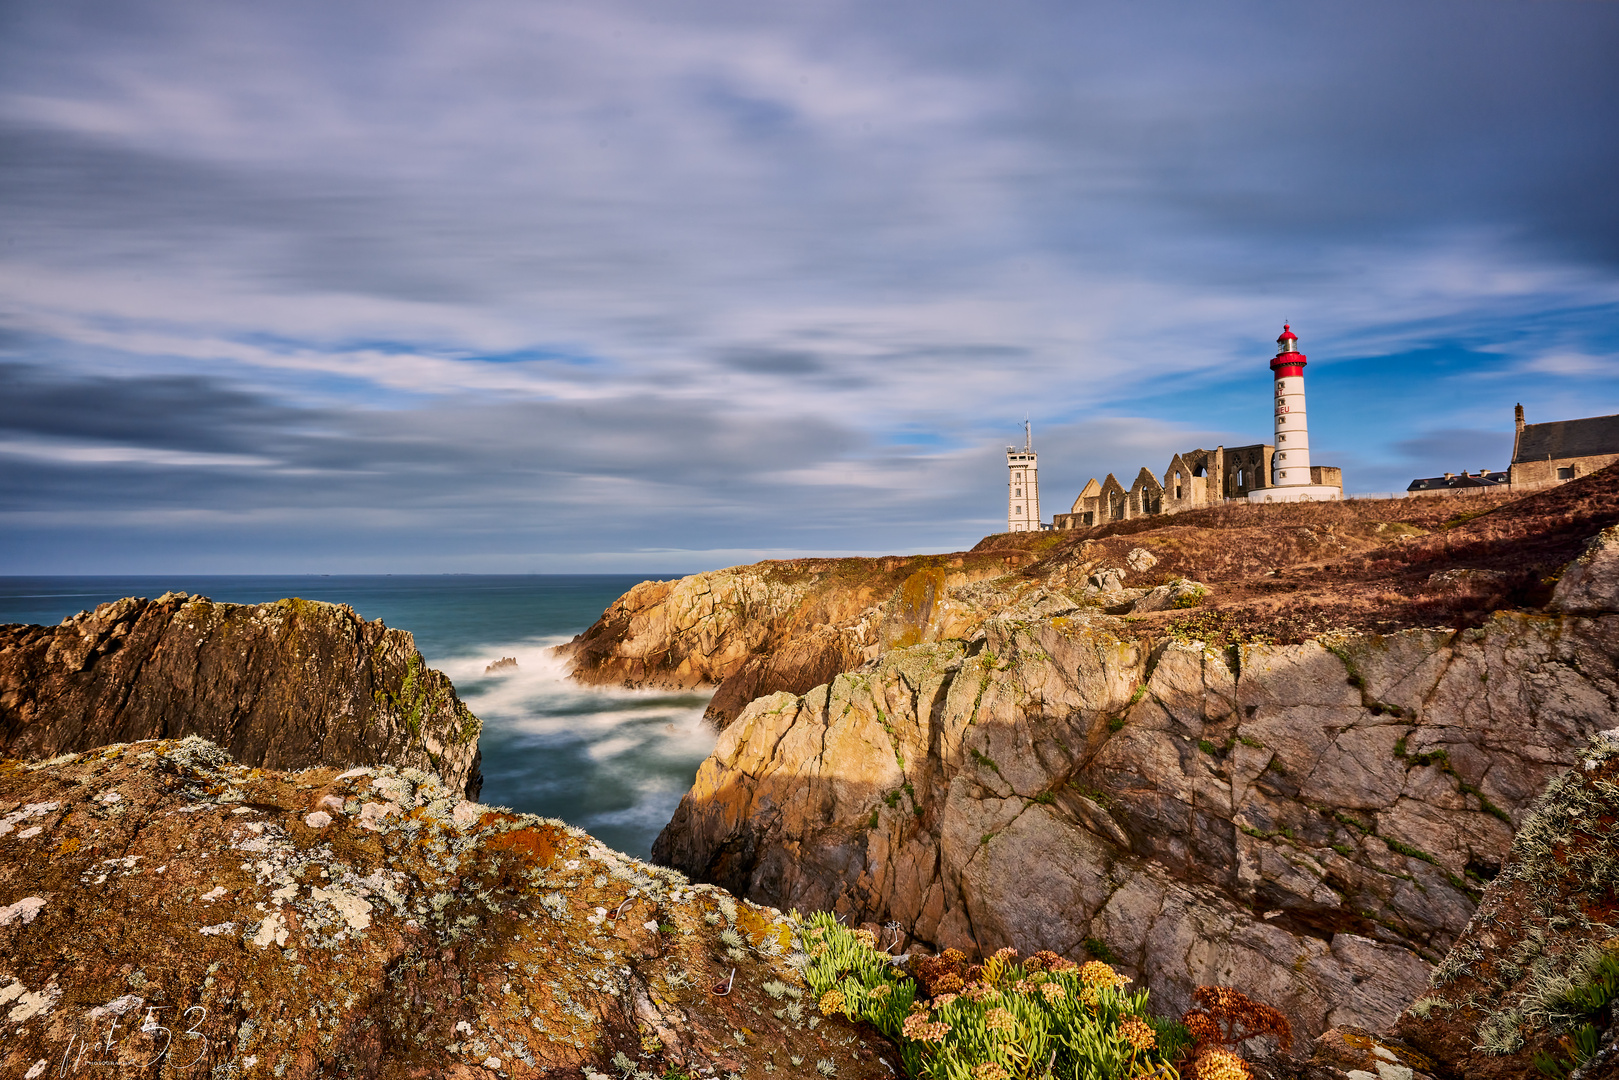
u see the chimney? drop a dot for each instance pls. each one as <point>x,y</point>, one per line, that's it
<point>1517,437</point>
<point>1450,476</point>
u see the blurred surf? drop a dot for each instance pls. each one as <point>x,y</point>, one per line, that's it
<point>613,762</point>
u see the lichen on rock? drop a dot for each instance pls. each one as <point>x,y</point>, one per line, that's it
<point>206,928</point>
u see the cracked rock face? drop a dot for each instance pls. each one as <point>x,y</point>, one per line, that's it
<point>285,685</point>
<point>199,925</point>
<point>1312,823</point>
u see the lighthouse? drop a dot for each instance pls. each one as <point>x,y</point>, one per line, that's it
<point>1292,479</point>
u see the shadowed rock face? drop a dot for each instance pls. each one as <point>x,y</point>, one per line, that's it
<point>284,685</point>
<point>1312,823</point>
<point>162,905</point>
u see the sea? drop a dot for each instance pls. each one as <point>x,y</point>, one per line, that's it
<point>613,762</point>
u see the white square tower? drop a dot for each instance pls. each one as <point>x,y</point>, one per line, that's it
<point>1023,486</point>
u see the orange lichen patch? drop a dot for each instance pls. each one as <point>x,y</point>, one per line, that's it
<point>68,846</point>
<point>496,817</point>
<point>1349,1048</point>
<point>756,924</point>
<point>535,846</point>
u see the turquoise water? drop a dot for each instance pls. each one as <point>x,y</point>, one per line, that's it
<point>613,762</point>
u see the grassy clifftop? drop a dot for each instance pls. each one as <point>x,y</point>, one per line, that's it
<point>1287,572</point>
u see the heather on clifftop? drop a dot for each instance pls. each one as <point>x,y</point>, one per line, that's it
<point>1287,572</point>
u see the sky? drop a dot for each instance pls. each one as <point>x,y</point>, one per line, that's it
<point>526,286</point>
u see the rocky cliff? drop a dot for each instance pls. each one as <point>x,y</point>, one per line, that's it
<point>284,685</point>
<point>1284,573</point>
<point>1536,972</point>
<point>166,911</point>
<point>789,625</point>
<point>1313,822</point>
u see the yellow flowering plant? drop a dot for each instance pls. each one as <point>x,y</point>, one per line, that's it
<point>1004,1019</point>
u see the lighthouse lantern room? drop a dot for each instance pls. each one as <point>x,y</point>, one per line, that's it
<point>1292,479</point>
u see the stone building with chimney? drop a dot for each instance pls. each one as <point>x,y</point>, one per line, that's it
<point>1560,450</point>
<point>1463,483</point>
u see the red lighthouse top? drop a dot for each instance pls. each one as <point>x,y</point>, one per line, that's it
<point>1288,361</point>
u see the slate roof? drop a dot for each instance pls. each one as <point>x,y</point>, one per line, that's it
<point>1451,483</point>
<point>1568,438</point>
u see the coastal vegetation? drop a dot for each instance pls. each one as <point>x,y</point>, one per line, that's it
<point>996,1020</point>
<point>1043,1016</point>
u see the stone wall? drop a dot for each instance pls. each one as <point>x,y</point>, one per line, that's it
<point>1327,475</point>
<point>1247,468</point>
<point>1529,475</point>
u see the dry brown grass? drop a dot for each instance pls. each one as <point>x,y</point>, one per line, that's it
<point>1422,513</point>
<point>1289,572</point>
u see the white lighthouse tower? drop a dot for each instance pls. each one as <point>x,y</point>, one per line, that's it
<point>1023,486</point>
<point>1290,479</point>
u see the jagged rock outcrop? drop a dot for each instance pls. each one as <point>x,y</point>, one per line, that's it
<point>1312,823</point>
<point>1591,582</point>
<point>1521,977</point>
<point>789,625</point>
<point>284,685</point>
<point>163,908</point>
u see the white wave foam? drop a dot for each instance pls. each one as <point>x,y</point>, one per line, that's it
<point>650,813</point>
<point>644,743</point>
<point>539,671</point>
